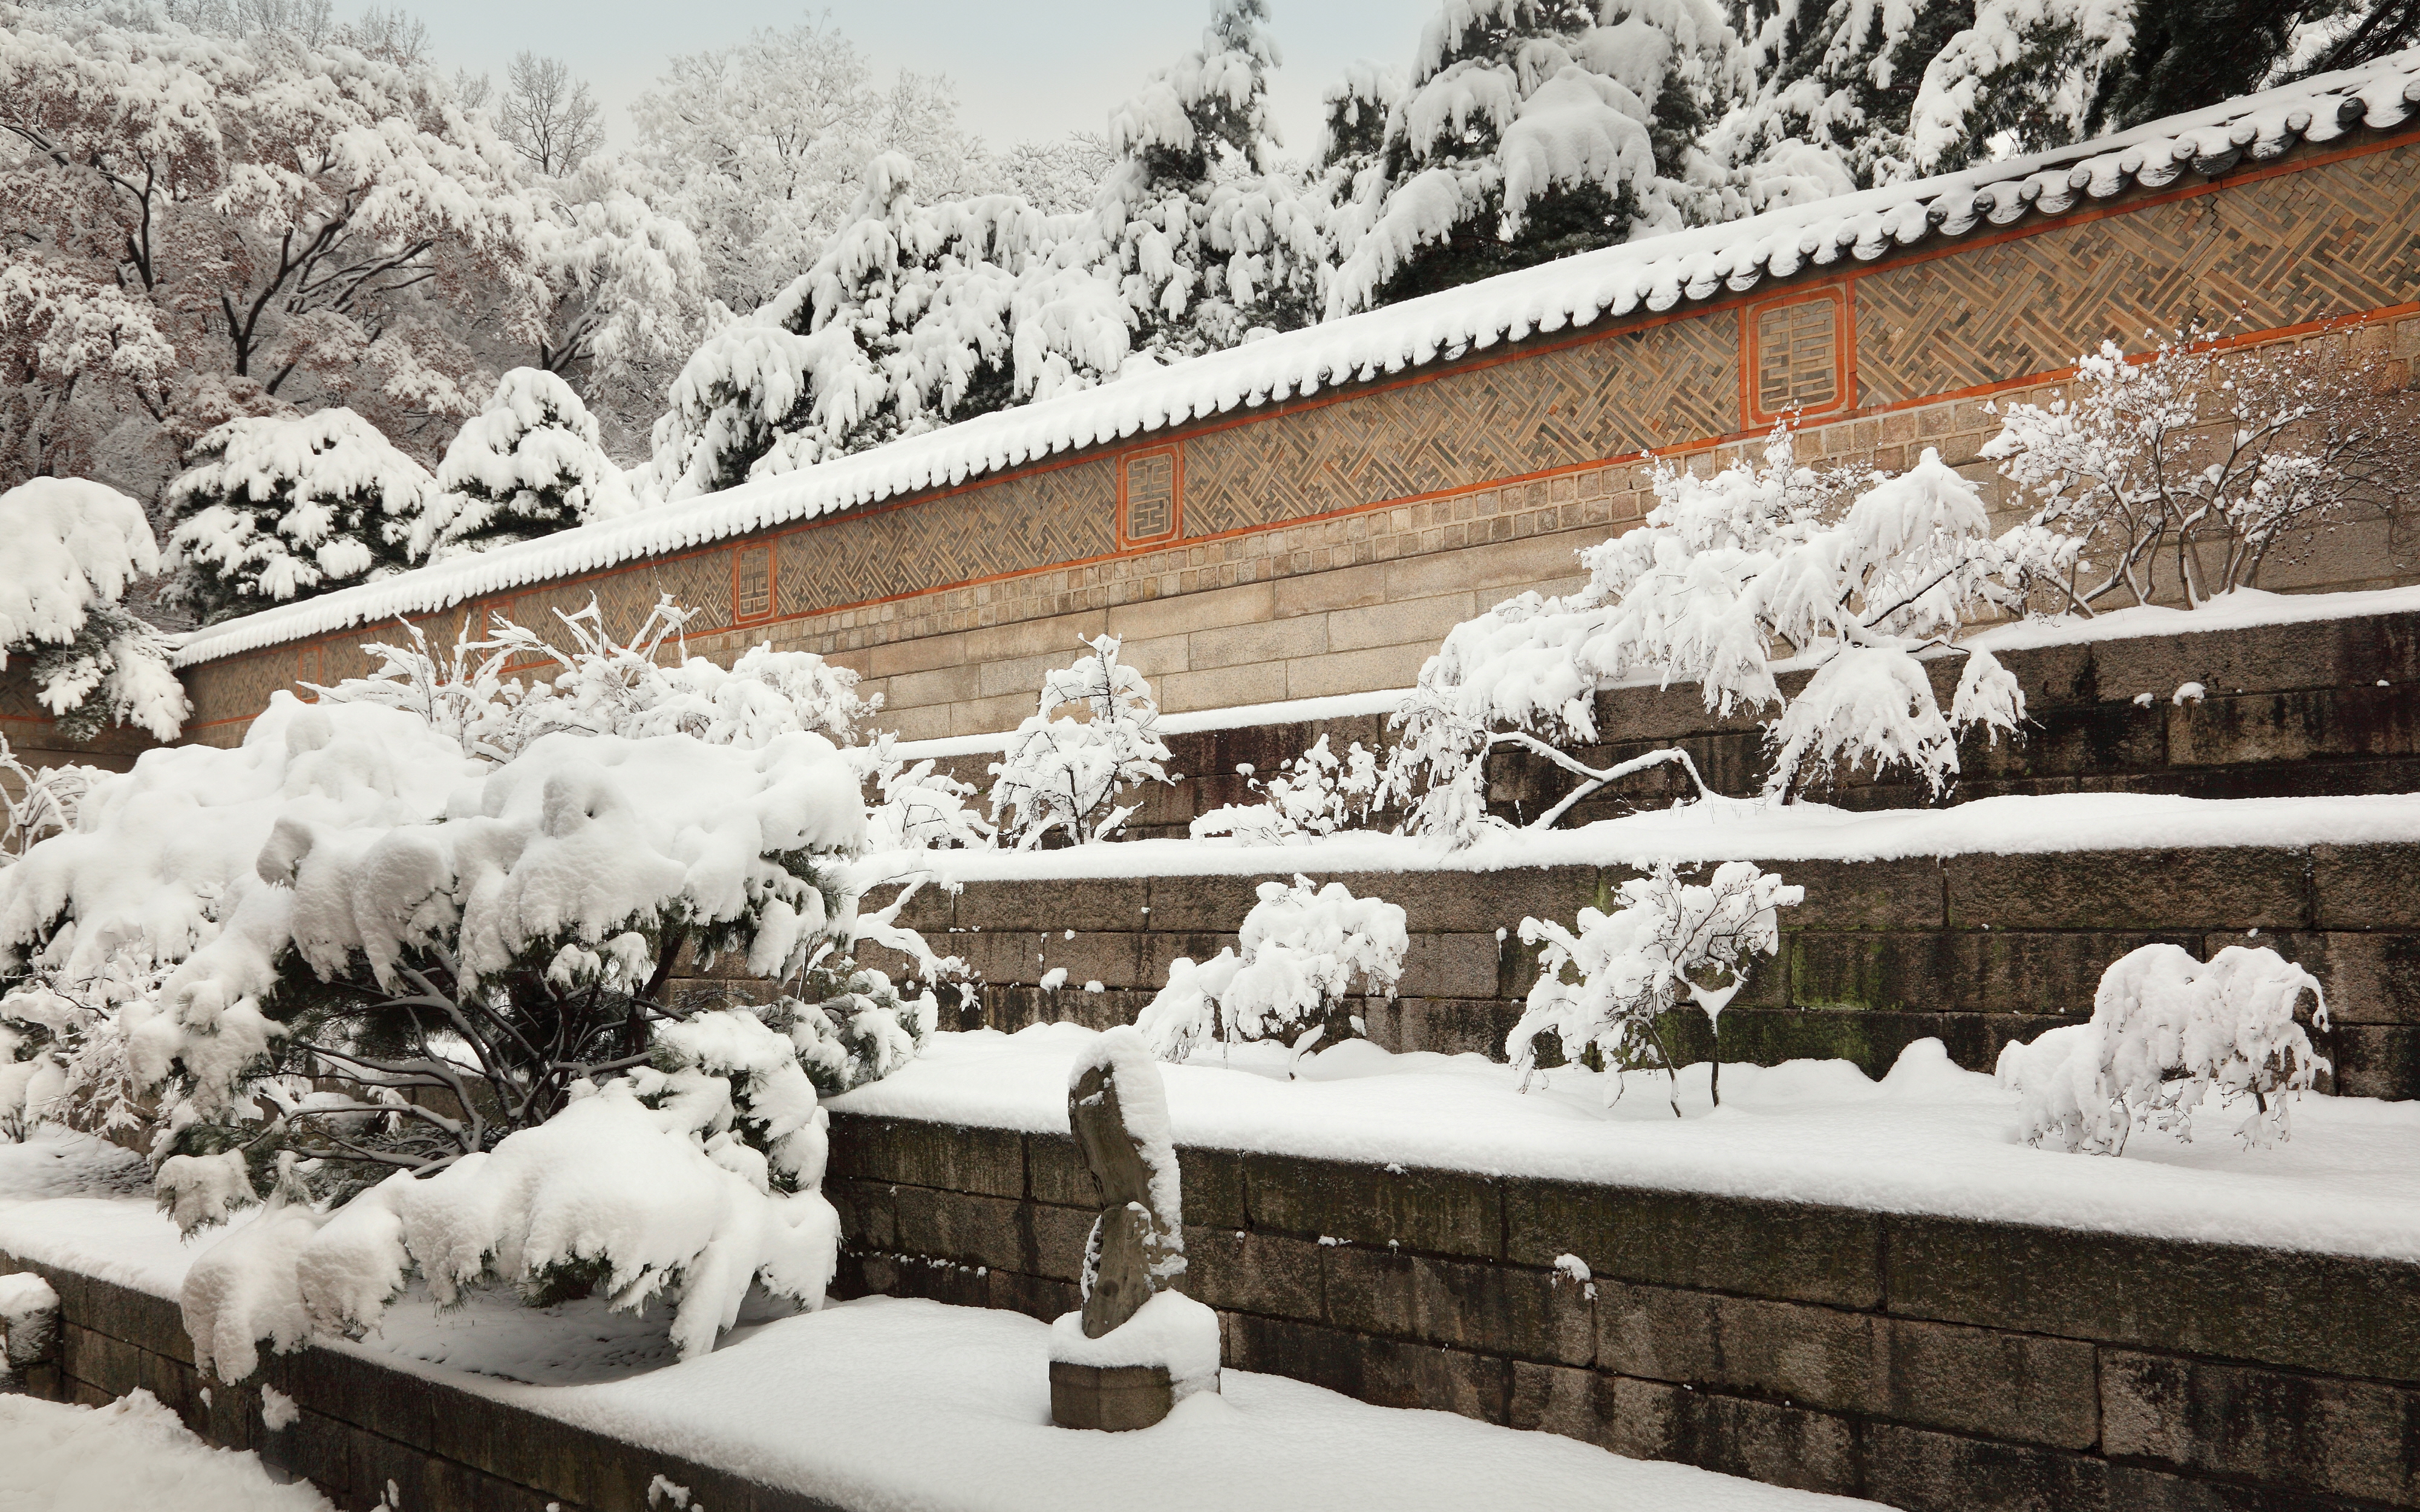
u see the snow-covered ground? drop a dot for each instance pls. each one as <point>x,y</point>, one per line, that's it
<point>1722,829</point>
<point>897,1404</point>
<point>132,1453</point>
<point>1928,1138</point>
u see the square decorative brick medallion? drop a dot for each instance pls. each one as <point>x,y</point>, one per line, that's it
<point>1149,508</point>
<point>1797,351</point>
<point>752,583</point>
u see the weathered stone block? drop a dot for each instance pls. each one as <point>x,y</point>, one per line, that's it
<point>1387,1371</point>
<point>1926,1471</point>
<point>955,1157</point>
<point>1238,1270</point>
<point>1110,1399</point>
<point>1442,1212</point>
<point>2365,886</point>
<point>1500,1309</point>
<point>2235,888</point>
<point>1212,1185</point>
<point>2333,1314</point>
<point>1449,1026</point>
<point>1795,1251</point>
<point>1101,903</point>
<point>1778,1445</point>
<point>1200,904</point>
<point>1449,965</point>
<point>2354,1438</point>
<point>2375,1060</point>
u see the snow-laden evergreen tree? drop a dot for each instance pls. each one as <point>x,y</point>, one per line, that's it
<point>905,323</point>
<point>1302,949</point>
<point>1062,775</point>
<point>274,509</point>
<point>1205,233</point>
<point>527,465</point>
<point>69,548</point>
<point>1535,128</point>
<point>1836,84</point>
<point>1667,939</point>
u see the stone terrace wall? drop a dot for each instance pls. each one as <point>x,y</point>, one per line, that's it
<point>1974,949</point>
<point>2322,707</point>
<point>366,1426</point>
<point>1936,1364</point>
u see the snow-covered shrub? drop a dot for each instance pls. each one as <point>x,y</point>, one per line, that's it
<point>851,1025</point>
<point>918,807</point>
<point>274,509</point>
<point>1301,949</point>
<point>527,465</point>
<point>37,802</point>
<point>1668,939</point>
<point>1062,775</point>
<point>2196,466</point>
<point>69,550</point>
<point>1316,793</point>
<point>63,1054</point>
<point>605,685</point>
<point>1727,577</point>
<point>2166,1033</point>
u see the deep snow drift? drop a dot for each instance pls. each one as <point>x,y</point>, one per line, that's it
<point>133,1453</point>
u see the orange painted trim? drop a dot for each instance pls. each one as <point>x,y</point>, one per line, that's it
<point>1844,350</point>
<point>1174,452</point>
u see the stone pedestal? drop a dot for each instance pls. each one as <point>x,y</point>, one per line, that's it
<point>1114,1397</point>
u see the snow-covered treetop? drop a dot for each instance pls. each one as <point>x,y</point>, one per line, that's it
<point>1656,273</point>
<point>71,544</point>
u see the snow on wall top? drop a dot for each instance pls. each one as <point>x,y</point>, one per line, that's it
<point>1655,275</point>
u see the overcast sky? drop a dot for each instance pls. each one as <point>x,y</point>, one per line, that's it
<point>1022,68</point>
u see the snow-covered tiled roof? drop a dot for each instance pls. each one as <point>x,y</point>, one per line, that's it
<point>1656,273</point>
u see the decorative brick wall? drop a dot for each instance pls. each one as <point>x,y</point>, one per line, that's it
<point>1321,546</point>
<point>368,1433</point>
<point>1932,1363</point>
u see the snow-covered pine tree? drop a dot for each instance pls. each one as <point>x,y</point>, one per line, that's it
<point>274,509</point>
<point>69,548</point>
<point>1534,129</point>
<point>527,465</point>
<point>1205,234</point>
<point>903,323</point>
<point>1836,81</point>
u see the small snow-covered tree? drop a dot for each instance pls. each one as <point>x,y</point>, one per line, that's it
<point>1729,576</point>
<point>1316,793</point>
<point>38,801</point>
<point>72,547</point>
<point>2192,469</point>
<point>1302,949</point>
<point>1667,939</point>
<point>1062,775</point>
<point>1534,129</point>
<point>274,509</point>
<point>527,465</point>
<point>2168,1032</point>
<point>920,807</point>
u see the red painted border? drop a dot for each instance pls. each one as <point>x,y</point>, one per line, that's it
<point>772,582</point>
<point>1844,350</point>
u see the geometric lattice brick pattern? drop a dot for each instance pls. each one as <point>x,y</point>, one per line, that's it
<point>1798,356</point>
<point>1053,514</point>
<point>2332,240</point>
<point>1667,384</point>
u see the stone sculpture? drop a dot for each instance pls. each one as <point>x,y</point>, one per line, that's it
<point>1138,1346</point>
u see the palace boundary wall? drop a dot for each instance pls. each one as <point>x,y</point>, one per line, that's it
<point>1321,545</point>
<point>1933,1363</point>
<point>1972,949</point>
<point>366,1433</point>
